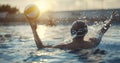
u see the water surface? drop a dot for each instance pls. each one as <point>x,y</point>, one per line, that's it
<point>21,48</point>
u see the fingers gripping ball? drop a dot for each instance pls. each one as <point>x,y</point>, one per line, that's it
<point>32,12</point>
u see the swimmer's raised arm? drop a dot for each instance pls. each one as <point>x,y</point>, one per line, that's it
<point>32,13</point>
<point>101,32</point>
<point>38,41</point>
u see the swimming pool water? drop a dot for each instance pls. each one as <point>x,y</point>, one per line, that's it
<point>21,48</point>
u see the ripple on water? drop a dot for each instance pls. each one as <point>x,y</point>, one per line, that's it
<point>25,50</point>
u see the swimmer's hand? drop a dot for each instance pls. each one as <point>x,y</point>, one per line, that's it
<point>113,15</point>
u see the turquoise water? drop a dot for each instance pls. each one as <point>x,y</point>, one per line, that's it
<point>21,48</point>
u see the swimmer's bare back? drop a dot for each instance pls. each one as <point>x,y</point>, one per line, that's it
<point>75,44</point>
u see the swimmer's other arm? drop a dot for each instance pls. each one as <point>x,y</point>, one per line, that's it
<point>95,41</point>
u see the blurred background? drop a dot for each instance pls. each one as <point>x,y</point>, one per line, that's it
<point>58,11</point>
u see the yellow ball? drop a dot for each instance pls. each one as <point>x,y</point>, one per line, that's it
<point>32,12</point>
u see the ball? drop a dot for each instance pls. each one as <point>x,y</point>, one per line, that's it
<point>32,12</point>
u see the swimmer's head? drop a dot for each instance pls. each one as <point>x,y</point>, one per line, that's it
<point>78,29</point>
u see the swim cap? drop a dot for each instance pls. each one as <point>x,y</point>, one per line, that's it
<point>31,12</point>
<point>78,29</point>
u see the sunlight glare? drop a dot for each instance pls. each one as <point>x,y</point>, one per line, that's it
<point>43,5</point>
